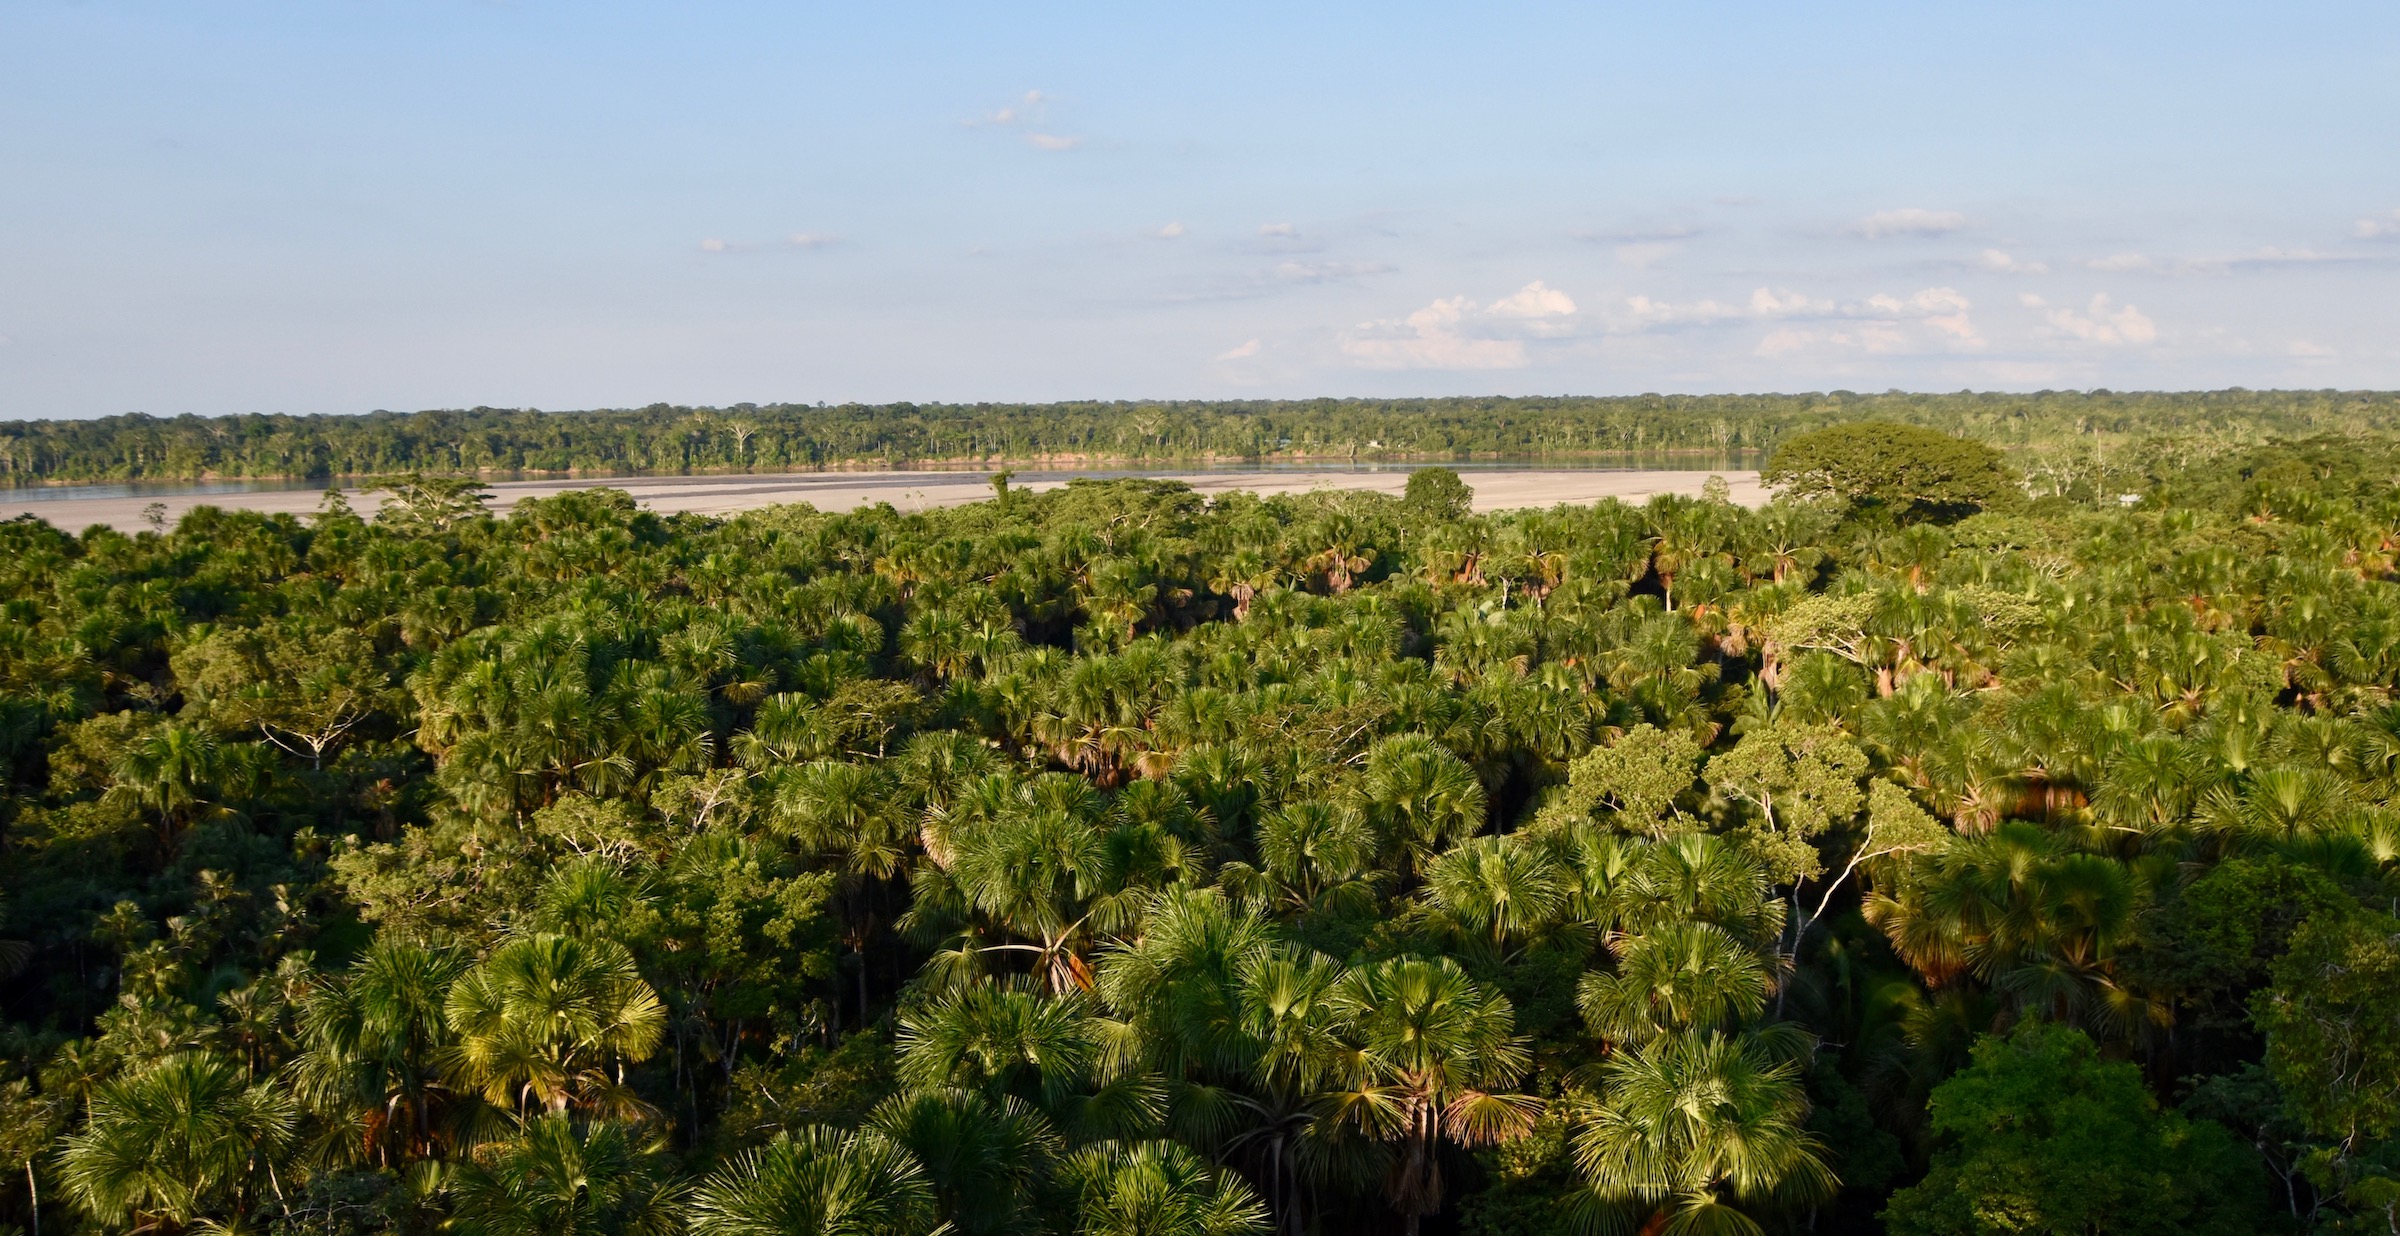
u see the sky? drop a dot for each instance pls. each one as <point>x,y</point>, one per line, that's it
<point>343,205</point>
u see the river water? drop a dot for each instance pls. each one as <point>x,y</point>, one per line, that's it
<point>1498,485</point>
<point>12,496</point>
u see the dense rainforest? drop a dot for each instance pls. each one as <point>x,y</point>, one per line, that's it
<point>2075,433</point>
<point>1917,854</point>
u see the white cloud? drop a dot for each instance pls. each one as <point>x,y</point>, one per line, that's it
<point>1674,231</point>
<point>1769,303</point>
<point>806,241</point>
<point>2305,350</point>
<point>1641,248</point>
<point>2272,255</point>
<point>1763,303</point>
<point>1026,110</point>
<point>1910,221</point>
<point>1277,229</point>
<point>1934,319</point>
<point>2121,263</point>
<point>2103,323</point>
<point>1943,310</point>
<point>1457,333</point>
<point>1326,272</point>
<point>1875,338</point>
<point>1170,231</point>
<point>1647,312</point>
<point>2264,257</point>
<point>2386,228</point>
<point>1534,300</point>
<point>1930,320</point>
<point>1023,108</point>
<point>2000,262</point>
<point>1241,351</point>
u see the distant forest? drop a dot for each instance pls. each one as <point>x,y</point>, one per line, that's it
<point>2068,431</point>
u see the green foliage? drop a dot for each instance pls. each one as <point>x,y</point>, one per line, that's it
<point>1696,1130</point>
<point>1639,780</point>
<point>817,1181</point>
<point>188,1139</point>
<point>543,1019</point>
<point>1905,469</point>
<point>2081,426</point>
<point>1111,857</point>
<point>1793,784</point>
<point>1437,493</point>
<point>559,1177</point>
<point>1158,1187</point>
<point>2332,1022</point>
<point>2040,1134</point>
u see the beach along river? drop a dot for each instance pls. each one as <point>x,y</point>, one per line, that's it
<point>1497,487</point>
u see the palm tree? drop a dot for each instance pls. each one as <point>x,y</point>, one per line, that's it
<point>1693,1129</point>
<point>1700,877</point>
<point>167,771</point>
<point>1426,799</point>
<point>1001,1039</point>
<point>1676,977</point>
<point>1288,1005</point>
<point>1683,535</point>
<point>1340,550</point>
<point>1242,574</point>
<point>1432,1056</point>
<point>373,1045</point>
<point>562,1177</point>
<point>591,898</point>
<point>1245,1031</point>
<point>1040,870</point>
<point>546,1018</point>
<point>985,1158</point>
<point>819,1180</point>
<point>1503,888</point>
<point>1786,538</point>
<point>30,1122</point>
<point>840,808</point>
<point>2038,922</point>
<point>1158,1188</point>
<point>1117,598</point>
<point>1177,985</point>
<point>1312,855</point>
<point>186,1140</point>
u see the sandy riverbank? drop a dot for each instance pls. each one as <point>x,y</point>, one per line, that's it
<point>843,491</point>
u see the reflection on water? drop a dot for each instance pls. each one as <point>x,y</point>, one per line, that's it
<point>1652,462</point>
<point>152,489</point>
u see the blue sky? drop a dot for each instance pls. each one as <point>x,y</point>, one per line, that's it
<point>351,204</point>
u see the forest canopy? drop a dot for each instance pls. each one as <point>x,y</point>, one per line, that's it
<point>2073,432</point>
<point>1109,860</point>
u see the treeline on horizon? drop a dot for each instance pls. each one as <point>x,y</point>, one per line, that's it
<point>1916,854</point>
<point>671,439</point>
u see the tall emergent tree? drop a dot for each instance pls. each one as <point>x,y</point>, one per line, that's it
<point>1914,473</point>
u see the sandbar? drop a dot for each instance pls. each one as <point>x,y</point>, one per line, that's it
<point>1495,490</point>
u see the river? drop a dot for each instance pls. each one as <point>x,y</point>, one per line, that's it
<point>1498,485</point>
